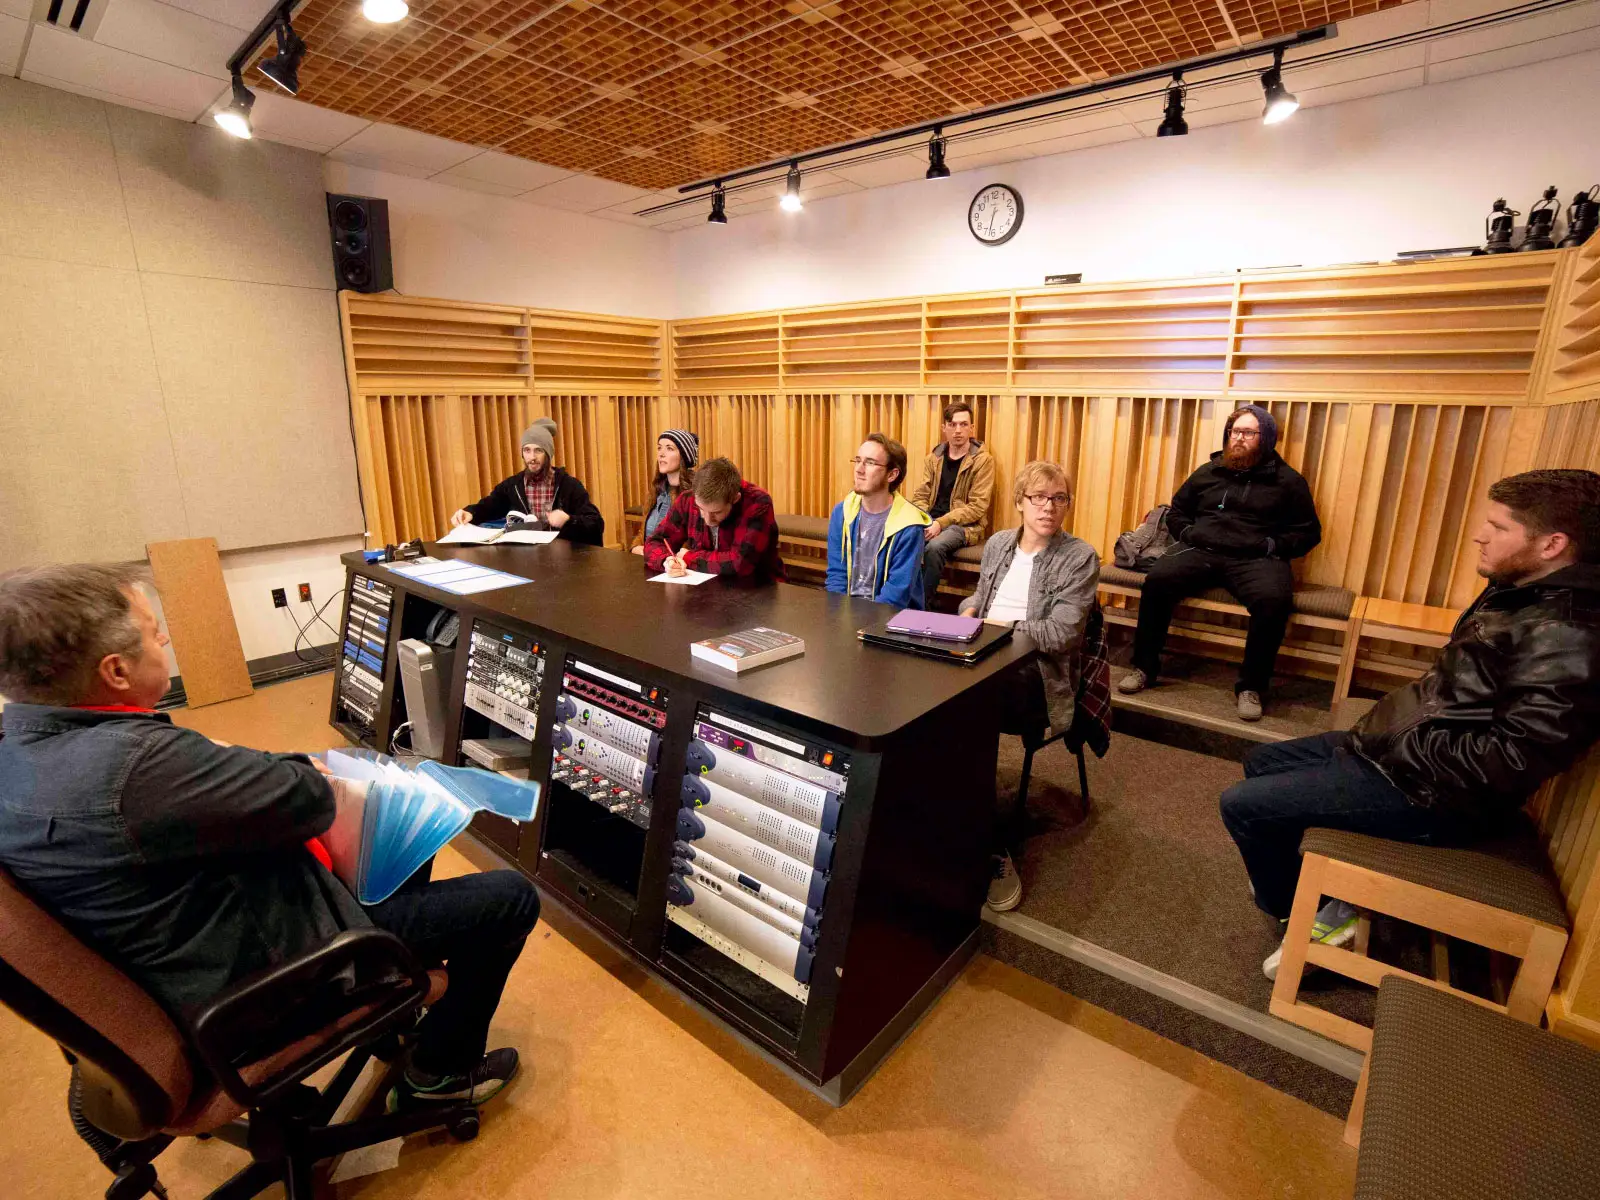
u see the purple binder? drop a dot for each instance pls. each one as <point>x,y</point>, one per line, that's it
<point>945,626</point>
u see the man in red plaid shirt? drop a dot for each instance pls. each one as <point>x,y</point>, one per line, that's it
<point>725,528</point>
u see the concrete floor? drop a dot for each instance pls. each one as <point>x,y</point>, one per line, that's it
<point>1008,1088</point>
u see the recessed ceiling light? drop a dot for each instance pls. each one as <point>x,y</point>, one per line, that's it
<point>384,12</point>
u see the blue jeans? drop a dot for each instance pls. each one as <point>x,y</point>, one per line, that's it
<point>476,925</point>
<point>1313,782</point>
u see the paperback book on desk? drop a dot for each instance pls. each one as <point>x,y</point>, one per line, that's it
<point>748,648</point>
<point>390,819</point>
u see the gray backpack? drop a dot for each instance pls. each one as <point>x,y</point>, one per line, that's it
<point>1138,549</point>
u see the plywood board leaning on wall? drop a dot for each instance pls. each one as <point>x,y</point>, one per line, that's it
<point>199,619</point>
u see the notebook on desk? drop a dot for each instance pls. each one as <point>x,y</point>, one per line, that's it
<point>989,639</point>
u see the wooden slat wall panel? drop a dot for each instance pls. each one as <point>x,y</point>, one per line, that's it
<point>401,344</point>
<point>1575,366</point>
<point>581,350</point>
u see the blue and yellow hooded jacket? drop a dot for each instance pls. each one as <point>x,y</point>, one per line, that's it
<point>899,575</point>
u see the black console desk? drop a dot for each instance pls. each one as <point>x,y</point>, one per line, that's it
<point>802,849</point>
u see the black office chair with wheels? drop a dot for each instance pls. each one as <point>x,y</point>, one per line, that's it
<point>138,1083</point>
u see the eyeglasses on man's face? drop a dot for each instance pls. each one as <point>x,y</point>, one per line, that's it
<point>1049,500</point>
<point>1245,435</point>
<point>858,461</point>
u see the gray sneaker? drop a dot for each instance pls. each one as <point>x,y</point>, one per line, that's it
<point>1335,925</point>
<point>1005,889</point>
<point>1249,706</point>
<point>1134,681</point>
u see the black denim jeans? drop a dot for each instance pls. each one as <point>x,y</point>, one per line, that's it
<point>1313,782</point>
<point>476,925</point>
<point>1265,586</point>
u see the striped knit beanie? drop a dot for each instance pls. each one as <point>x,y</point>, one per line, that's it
<point>687,443</point>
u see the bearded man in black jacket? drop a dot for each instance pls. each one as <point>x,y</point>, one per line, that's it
<point>541,495</point>
<point>1239,519</point>
<point>1513,699</point>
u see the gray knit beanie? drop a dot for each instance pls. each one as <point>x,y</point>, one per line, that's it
<point>541,433</point>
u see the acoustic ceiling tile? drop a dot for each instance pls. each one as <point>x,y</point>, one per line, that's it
<point>241,14</point>
<point>702,24</point>
<point>1270,17</point>
<point>787,130</point>
<point>503,170</point>
<point>458,120</point>
<point>895,168</point>
<point>21,9</point>
<point>625,122</point>
<point>593,45</point>
<point>561,148</point>
<point>282,119</point>
<point>584,193</point>
<point>412,51</point>
<point>875,105</point>
<point>1357,89</point>
<point>922,28</point>
<point>801,57</point>
<point>328,83</point>
<point>501,81</point>
<point>705,91</point>
<point>999,72</point>
<point>170,35</point>
<point>1441,70</point>
<point>390,143</point>
<point>1116,39</point>
<point>78,65</point>
<point>648,174</point>
<point>481,20</point>
<point>711,153</point>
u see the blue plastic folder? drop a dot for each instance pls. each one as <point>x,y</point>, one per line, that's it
<point>391,819</point>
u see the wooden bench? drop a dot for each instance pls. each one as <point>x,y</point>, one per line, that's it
<point>1315,606</point>
<point>1499,893</point>
<point>1390,621</point>
<point>1455,1101</point>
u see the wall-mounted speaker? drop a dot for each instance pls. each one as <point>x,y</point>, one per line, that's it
<point>360,227</point>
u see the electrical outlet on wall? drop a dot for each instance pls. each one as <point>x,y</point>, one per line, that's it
<point>305,593</point>
<point>279,600</point>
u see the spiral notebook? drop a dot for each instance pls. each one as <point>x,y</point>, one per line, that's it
<point>391,819</point>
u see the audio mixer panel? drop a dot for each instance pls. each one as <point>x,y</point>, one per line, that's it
<point>505,676</point>
<point>606,743</point>
<point>758,819</point>
<point>365,651</point>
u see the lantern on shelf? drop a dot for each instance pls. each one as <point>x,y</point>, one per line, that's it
<point>1583,214</point>
<point>1542,222</point>
<point>1497,227</point>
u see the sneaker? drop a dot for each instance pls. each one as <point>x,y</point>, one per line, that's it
<point>1005,889</point>
<point>1249,706</point>
<point>478,1085</point>
<point>1335,925</point>
<point>1134,681</point>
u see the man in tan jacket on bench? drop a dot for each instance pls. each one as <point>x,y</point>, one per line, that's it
<point>957,485</point>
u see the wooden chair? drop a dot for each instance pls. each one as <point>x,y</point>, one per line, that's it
<point>1500,894</point>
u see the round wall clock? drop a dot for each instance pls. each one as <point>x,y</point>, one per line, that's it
<point>995,214</point>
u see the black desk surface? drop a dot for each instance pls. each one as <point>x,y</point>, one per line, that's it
<point>603,597</point>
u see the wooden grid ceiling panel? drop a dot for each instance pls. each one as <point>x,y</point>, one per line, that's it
<point>657,93</point>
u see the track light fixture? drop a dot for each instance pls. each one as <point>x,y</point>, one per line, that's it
<point>1281,103</point>
<point>235,119</point>
<point>283,68</point>
<point>384,12</point>
<point>719,207</point>
<point>936,164</point>
<point>791,191</point>
<point>1173,124</point>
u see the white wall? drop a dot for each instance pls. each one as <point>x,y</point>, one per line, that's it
<point>461,245</point>
<point>1350,182</point>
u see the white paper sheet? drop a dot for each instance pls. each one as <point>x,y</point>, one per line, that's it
<point>469,535</point>
<point>689,578</point>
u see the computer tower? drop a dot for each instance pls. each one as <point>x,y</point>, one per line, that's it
<point>425,677</point>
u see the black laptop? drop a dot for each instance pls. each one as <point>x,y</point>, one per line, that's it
<point>990,638</point>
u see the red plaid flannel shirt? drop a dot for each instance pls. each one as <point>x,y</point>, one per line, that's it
<point>746,549</point>
<point>540,491</point>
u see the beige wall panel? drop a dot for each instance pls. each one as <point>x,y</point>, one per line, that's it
<point>203,203</point>
<point>87,471</point>
<point>254,380</point>
<point>59,195</point>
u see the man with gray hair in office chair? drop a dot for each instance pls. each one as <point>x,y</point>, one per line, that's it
<point>184,861</point>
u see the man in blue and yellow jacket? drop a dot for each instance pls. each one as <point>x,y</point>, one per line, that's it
<point>875,536</point>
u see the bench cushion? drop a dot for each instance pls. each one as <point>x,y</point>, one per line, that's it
<point>796,525</point>
<point>1312,599</point>
<point>968,554</point>
<point>1510,872</point>
<point>635,510</point>
<point>1466,1104</point>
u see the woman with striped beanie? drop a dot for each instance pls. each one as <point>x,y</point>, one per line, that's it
<point>677,450</point>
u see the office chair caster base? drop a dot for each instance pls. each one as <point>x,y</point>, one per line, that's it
<point>464,1129</point>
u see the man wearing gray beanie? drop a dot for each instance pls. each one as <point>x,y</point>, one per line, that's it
<point>1238,520</point>
<point>541,496</point>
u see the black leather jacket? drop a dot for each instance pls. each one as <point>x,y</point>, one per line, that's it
<point>1512,700</point>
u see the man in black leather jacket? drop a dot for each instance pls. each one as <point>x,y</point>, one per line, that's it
<point>1513,699</point>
